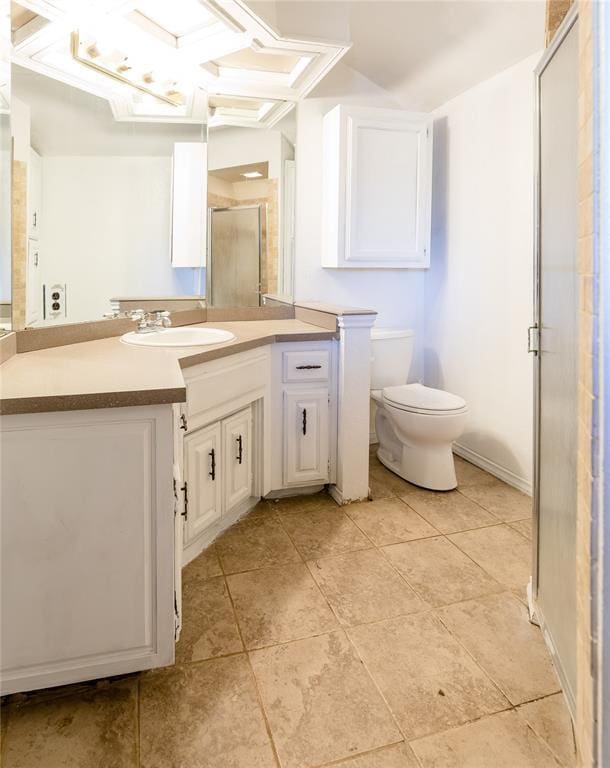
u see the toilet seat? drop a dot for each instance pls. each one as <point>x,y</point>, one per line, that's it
<point>415,398</point>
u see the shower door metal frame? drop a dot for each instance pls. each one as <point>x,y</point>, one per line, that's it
<point>208,276</point>
<point>565,27</point>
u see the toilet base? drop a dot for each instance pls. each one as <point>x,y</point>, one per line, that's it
<point>430,467</point>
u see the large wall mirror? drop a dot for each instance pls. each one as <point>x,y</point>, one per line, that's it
<point>251,198</point>
<point>94,220</point>
<point>5,171</point>
<point>150,159</point>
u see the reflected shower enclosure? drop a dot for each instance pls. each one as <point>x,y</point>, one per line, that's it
<point>234,266</point>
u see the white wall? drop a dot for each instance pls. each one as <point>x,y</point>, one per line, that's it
<point>105,228</point>
<point>397,295</point>
<point>478,291</point>
<point>241,146</point>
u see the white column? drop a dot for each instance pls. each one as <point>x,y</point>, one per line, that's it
<point>353,393</point>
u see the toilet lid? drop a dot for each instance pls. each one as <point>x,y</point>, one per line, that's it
<point>419,398</point>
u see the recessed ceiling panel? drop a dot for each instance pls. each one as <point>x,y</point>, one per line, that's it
<point>261,62</point>
<point>177,18</point>
<point>20,16</point>
<point>157,59</point>
<point>242,172</point>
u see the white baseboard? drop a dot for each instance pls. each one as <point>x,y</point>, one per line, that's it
<point>494,469</point>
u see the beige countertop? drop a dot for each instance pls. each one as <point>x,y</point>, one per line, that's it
<point>107,373</point>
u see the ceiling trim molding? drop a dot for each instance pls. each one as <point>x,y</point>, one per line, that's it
<point>138,34</point>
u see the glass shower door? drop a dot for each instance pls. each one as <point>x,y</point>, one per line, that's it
<point>234,269</point>
<point>557,320</point>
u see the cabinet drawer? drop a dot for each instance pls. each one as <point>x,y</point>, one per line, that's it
<point>305,366</point>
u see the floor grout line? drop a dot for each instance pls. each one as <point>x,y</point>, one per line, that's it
<point>278,516</point>
<point>261,705</point>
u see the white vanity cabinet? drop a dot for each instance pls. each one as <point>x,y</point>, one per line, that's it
<point>306,430</point>
<point>237,461</point>
<point>218,475</point>
<point>304,427</point>
<point>221,434</point>
<point>377,188</point>
<point>202,487</point>
<point>87,545</point>
<point>254,424</point>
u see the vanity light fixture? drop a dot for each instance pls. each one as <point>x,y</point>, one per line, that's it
<point>252,175</point>
<point>119,66</point>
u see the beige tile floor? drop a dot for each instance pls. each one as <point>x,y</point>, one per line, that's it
<point>387,634</point>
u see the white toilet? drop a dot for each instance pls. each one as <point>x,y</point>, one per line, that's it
<point>415,425</point>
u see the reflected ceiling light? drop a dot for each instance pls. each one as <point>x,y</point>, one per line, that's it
<point>252,175</point>
<point>127,69</point>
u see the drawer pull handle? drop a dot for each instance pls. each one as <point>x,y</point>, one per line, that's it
<point>240,450</point>
<point>304,421</point>
<point>308,367</point>
<point>183,422</point>
<point>185,508</point>
<point>212,474</point>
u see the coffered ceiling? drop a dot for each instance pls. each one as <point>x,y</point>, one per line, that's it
<point>160,61</point>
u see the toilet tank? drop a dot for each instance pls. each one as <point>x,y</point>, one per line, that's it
<point>391,354</point>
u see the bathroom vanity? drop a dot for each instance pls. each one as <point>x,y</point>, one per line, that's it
<point>120,464</point>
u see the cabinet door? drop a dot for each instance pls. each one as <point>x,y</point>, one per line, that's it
<point>237,458</point>
<point>189,204</point>
<point>34,194</point>
<point>306,436</point>
<point>376,188</point>
<point>86,560</point>
<point>203,480</point>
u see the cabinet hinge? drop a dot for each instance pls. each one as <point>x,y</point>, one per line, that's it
<point>185,510</point>
<point>533,339</point>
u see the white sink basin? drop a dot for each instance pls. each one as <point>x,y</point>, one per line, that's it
<point>178,337</point>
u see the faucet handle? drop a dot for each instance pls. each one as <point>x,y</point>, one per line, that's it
<point>163,318</point>
<point>138,316</point>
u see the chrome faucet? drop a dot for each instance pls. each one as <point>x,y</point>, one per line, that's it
<point>149,322</point>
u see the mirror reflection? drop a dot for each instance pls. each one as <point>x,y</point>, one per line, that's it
<point>107,212</point>
<point>251,187</point>
<point>5,172</point>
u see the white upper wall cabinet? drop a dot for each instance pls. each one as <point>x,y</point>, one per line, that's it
<point>377,188</point>
<point>189,204</point>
